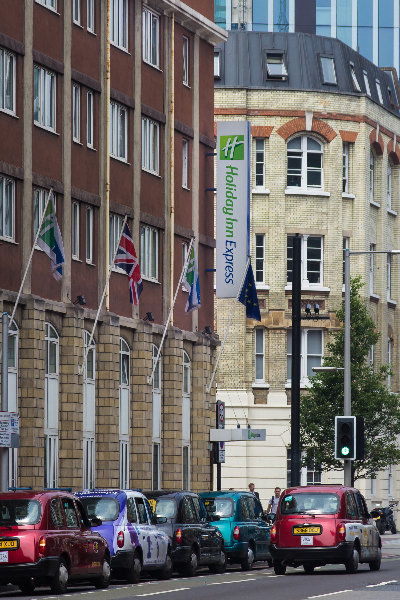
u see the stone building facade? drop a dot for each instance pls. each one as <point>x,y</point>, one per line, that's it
<point>325,165</point>
<point>102,421</point>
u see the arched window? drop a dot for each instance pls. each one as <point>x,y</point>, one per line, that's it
<point>89,412</point>
<point>389,185</point>
<point>157,425</point>
<point>124,413</point>
<point>13,335</point>
<point>304,162</point>
<point>371,175</point>
<point>186,419</point>
<point>51,406</point>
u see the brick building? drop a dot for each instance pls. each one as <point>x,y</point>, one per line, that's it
<point>102,423</point>
<point>324,164</point>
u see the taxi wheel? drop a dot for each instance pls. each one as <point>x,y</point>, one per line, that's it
<point>28,586</point>
<point>59,582</point>
<point>220,566</point>
<point>352,564</point>
<point>375,565</point>
<point>191,566</point>
<point>247,564</point>
<point>279,568</point>
<point>133,574</point>
<point>166,571</point>
<point>103,581</point>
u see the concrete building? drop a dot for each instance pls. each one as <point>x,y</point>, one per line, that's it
<point>324,164</point>
<point>102,423</point>
<point>369,26</point>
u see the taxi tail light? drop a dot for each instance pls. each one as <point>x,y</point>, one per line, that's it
<point>178,536</point>
<point>341,532</point>
<point>120,539</point>
<point>42,545</point>
<point>274,534</point>
<point>236,533</point>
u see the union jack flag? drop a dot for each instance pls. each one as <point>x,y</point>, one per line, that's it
<point>126,259</point>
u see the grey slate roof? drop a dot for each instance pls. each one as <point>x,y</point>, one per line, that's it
<point>243,56</point>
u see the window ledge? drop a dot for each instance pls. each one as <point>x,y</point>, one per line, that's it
<point>50,8</point>
<point>391,303</point>
<point>374,297</point>
<point>303,385</point>
<point>8,240</point>
<point>90,264</point>
<point>376,204</point>
<point>317,288</point>
<point>186,85</point>
<point>151,173</point>
<point>347,196</point>
<point>91,32</point>
<point>91,148</point>
<point>121,160</point>
<point>124,50</point>
<point>53,131</point>
<point>262,286</point>
<point>156,67</point>
<point>261,191</point>
<point>306,192</point>
<point>78,24</point>
<point>151,279</point>
<point>10,113</point>
<point>185,187</point>
<point>78,142</point>
<point>76,259</point>
<point>260,385</point>
<point>392,212</point>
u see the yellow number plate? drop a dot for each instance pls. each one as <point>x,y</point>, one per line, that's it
<point>307,530</point>
<point>8,544</point>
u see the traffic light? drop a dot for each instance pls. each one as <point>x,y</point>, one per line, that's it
<point>345,438</point>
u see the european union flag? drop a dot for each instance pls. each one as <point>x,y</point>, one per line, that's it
<point>248,296</point>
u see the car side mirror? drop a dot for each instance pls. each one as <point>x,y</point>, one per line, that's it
<point>95,522</point>
<point>212,518</point>
<point>160,520</point>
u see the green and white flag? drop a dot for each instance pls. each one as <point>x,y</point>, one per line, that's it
<point>50,240</point>
<point>191,282</point>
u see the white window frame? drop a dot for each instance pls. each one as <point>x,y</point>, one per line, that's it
<point>151,29</point>
<point>149,240</point>
<point>51,4</point>
<point>390,481</point>
<point>7,80</point>
<point>186,472</point>
<point>346,244</point>
<point>119,23</point>
<point>185,60</point>
<point>185,164</point>
<point>76,11</point>
<point>371,176</point>
<point>150,146</point>
<point>302,153</point>
<point>304,355</point>
<point>75,230</point>
<point>354,79</point>
<point>388,276</point>
<point>275,65</point>
<point>51,428</point>
<point>156,465</point>
<point>259,163</point>
<point>7,207</point>
<point>89,461</point>
<point>389,361</point>
<point>326,70</point>
<point>115,230</point>
<point>259,263</point>
<point>76,112</point>
<point>39,202</point>
<point>259,354</point>
<point>371,269</point>
<point>305,283</point>
<point>217,64</point>
<point>186,418</point>
<point>90,15</point>
<point>124,419</point>
<point>371,356</point>
<point>13,340</point>
<point>89,119</point>
<point>89,433</point>
<point>373,486</point>
<point>46,87</point>
<point>345,175</point>
<point>389,185</point>
<point>89,235</point>
<point>157,419</point>
<point>379,90</point>
<point>366,82</point>
<point>118,130</point>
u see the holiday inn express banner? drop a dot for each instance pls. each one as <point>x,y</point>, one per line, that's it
<point>232,206</point>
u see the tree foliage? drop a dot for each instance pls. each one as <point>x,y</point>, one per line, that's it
<point>370,398</point>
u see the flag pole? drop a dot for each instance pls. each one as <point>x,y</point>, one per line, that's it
<point>150,379</point>
<point>228,326</point>
<point>102,297</point>
<point>30,258</point>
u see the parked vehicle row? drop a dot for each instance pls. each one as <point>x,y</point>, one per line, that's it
<point>52,538</point>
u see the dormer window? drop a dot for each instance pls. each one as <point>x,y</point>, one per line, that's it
<point>366,83</point>
<point>378,89</point>
<point>356,85</point>
<point>328,70</point>
<point>217,65</point>
<point>275,64</point>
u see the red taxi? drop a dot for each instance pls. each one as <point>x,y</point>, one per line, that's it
<point>324,524</point>
<point>46,539</point>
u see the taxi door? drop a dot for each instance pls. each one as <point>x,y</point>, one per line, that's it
<point>147,537</point>
<point>370,535</point>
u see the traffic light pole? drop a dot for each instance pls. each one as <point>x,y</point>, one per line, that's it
<point>347,364</point>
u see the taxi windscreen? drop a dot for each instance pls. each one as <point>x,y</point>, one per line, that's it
<point>222,507</point>
<point>310,503</point>
<point>104,508</point>
<point>20,512</point>
<point>165,507</point>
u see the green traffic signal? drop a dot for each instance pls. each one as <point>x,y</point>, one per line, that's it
<point>345,450</point>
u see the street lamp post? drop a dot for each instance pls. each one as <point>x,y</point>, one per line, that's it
<point>347,365</point>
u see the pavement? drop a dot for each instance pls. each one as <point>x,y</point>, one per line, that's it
<point>390,545</point>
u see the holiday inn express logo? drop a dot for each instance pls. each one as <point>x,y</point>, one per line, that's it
<point>231,147</point>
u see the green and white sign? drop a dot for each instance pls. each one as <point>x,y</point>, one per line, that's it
<point>232,206</point>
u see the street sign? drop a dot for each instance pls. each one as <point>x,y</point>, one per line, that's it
<point>220,414</point>
<point>9,430</point>
<point>221,452</point>
<point>237,435</point>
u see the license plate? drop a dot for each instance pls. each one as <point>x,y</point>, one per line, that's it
<point>3,557</point>
<point>307,530</point>
<point>8,544</point>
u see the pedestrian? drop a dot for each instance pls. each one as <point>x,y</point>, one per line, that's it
<point>273,502</point>
<point>251,490</point>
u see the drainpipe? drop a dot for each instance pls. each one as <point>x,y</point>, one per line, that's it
<point>107,223</point>
<point>172,165</point>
